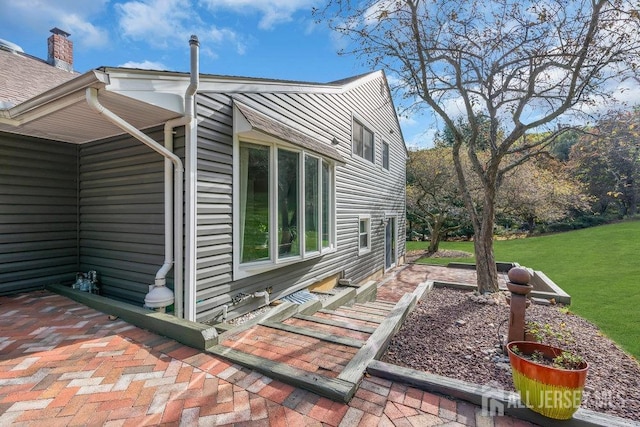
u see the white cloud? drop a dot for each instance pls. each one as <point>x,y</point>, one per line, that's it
<point>165,23</point>
<point>84,31</point>
<point>71,16</point>
<point>273,12</point>
<point>145,65</point>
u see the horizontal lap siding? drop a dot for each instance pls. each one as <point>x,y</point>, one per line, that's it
<point>214,199</point>
<point>122,214</point>
<point>38,213</point>
<point>361,188</point>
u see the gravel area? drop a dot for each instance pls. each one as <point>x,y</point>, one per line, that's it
<point>451,335</point>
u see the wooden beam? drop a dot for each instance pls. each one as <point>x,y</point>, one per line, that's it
<point>321,335</point>
<point>378,341</point>
<point>332,388</point>
<point>351,316</point>
<point>341,324</point>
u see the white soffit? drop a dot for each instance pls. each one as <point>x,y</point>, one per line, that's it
<point>65,116</point>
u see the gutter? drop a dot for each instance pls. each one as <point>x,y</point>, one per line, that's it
<point>22,110</point>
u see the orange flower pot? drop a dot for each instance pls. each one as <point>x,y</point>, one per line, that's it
<point>547,390</point>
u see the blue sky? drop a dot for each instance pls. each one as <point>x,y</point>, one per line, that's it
<point>256,38</point>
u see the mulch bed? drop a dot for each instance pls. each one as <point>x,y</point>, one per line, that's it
<point>449,334</point>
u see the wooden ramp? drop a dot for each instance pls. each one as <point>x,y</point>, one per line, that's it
<point>322,347</point>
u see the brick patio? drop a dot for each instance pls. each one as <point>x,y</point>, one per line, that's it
<point>62,363</point>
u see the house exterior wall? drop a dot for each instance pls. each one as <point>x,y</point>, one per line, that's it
<point>121,206</point>
<point>38,213</point>
<point>361,188</point>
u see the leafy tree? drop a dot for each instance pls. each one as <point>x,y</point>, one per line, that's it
<point>608,160</point>
<point>541,191</point>
<point>523,64</point>
<point>561,147</point>
<point>433,198</point>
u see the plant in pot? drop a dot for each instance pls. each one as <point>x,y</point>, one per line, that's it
<point>550,380</point>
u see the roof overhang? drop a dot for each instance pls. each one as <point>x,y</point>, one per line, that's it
<point>253,124</point>
<point>62,113</point>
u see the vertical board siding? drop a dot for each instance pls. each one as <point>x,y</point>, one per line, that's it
<point>38,213</point>
<point>121,205</point>
<point>361,188</point>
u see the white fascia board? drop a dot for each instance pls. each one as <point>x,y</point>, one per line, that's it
<point>243,85</point>
<point>56,98</point>
<point>161,89</point>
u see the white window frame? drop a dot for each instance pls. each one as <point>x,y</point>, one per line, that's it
<point>242,270</point>
<point>365,127</point>
<point>388,216</point>
<point>367,219</point>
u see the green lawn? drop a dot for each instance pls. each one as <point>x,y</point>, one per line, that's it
<point>599,267</point>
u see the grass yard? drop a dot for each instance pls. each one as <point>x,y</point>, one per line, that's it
<point>599,267</point>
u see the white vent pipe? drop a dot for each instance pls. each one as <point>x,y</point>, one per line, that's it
<point>186,119</point>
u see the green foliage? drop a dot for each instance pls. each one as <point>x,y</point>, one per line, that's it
<point>607,160</point>
<point>568,360</point>
<point>597,266</point>
<point>545,333</point>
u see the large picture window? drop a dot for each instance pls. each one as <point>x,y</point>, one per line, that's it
<point>286,207</point>
<point>363,144</point>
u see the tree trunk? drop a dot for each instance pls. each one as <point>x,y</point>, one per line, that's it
<point>485,262</point>
<point>486,269</point>
<point>436,230</point>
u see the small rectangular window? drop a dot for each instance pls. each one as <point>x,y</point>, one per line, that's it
<point>364,234</point>
<point>385,155</point>
<point>363,142</point>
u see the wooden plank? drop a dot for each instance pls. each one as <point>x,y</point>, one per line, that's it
<point>279,312</point>
<point>378,341</point>
<point>339,299</point>
<point>350,316</point>
<point>356,310</point>
<point>341,324</point>
<point>366,308</point>
<point>386,305</point>
<point>324,336</point>
<point>193,334</point>
<point>331,388</point>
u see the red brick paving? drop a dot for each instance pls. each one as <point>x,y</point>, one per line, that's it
<point>65,364</point>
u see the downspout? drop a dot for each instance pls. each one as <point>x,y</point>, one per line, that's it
<point>178,188</point>
<point>159,295</point>
<point>165,294</point>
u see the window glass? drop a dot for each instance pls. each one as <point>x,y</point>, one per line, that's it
<point>288,169</point>
<point>368,145</point>
<point>363,142</point>
<point>312,204</point>
<point>326,204</point>
<point>278,189</point>
<point>385,155</point>
<point>254,202</point>
<point>357,138</point>
<point>364,234</point>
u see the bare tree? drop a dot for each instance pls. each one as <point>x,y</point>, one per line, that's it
<point>523,64</point>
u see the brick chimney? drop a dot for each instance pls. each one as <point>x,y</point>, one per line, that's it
<point>60,50</point>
